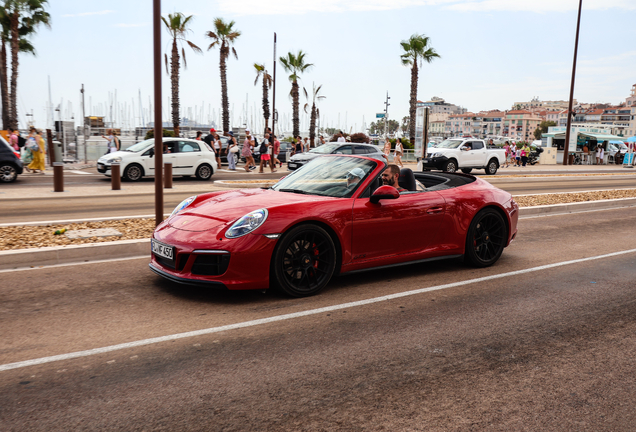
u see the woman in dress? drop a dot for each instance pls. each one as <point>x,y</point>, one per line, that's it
<point>397,156</point>
<point>246,152</point>
<point>387,148</point>
<point>37,165</point>
<point>217,147</point>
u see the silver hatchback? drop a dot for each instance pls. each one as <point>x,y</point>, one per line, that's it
<point>359,149</point>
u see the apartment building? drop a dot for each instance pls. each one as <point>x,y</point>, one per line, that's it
<point>521,124</point>
<point>438,105</point>
<point>546,105</point>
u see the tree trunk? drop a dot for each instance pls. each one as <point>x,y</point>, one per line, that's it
<point>4,85</point>
<point>225,104</point>
<point>295,103</point>
<point>413,102</point>
<point>15,46</point>
<point>174,66</point>
<point>265,102</point>
<point>312,125</point>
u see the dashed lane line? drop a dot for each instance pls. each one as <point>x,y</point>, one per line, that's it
<point>284,317</point>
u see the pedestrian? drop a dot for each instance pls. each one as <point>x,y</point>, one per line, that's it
<point>507,149</point>
<point>266,157</point>
<point>525,151</point>
<point>518,155</point>
<point>116,143</point>
<point>341,137</point>
<point>246,152</point>
<point>306,145</point>
<point>600,152</point>
<point>387,148</point>
<point>322,140</point>
<point>13,139</point>
<point>397,155</point>
<point>199,133</point>
<point>111,144</point>
<point>299,146</point>
<point>217,146</point>
<point>38,150</point>
<point>232,151</point>
<point>275,152</point>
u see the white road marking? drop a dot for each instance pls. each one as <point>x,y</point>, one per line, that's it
<point>147,257</point>
<point>284,317</point>
<point>80,172</point>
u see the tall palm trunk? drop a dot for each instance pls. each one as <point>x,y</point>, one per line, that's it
<point>4,85</point>
<point>413,102</point>
<point>174,65</point>
<point>265,103</point>
<point>225,103</point>
<point>15,46</point>
<point>312,125</point>
<point>295,103</point>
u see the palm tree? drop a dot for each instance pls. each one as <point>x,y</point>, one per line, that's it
<point>224,36</point>
<point>416,49</point>
<point>25,15</point>
<point>315,112</point>
<point>295,64</point>
<point>177,25</point>
<point>267,81</point>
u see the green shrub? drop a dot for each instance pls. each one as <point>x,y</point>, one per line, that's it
<point>166,133</point>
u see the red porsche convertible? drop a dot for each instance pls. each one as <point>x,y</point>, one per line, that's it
<point>315,223</point>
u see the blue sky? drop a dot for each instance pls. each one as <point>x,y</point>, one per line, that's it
<point>493,53</point>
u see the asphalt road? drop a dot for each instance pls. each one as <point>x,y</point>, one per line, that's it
<point>545,349</point>
<point>27,210</point>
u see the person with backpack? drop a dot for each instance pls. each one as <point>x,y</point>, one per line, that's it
<point>265,154</point>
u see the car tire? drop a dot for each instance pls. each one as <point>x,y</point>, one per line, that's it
<point>450,166</point>
<point>466,170</point>
<point>8,173</point>
<point>133,172</point>
<point>304,260</point>
<point>486,238</point>
<point>204,172</point>
<point>492,167</point>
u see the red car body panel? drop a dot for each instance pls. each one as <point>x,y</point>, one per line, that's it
<point>416,226</point>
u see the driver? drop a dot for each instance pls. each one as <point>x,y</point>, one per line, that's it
<point>390,177</point>
<point>353,177</point>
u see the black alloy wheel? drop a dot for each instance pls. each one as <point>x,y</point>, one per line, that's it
<point>492,167</point>
<point>133,172</point>
<point>466,170</point>
<point>204,172</point>
<point>304,261</point>
<point>450,166</point>
<point>8,173</point>
<point>486,238</point>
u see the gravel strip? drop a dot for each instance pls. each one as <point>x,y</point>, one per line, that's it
<point>24,237</point>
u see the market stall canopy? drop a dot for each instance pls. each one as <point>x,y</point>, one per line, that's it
<point>631,139</point>
<point>596,136</point>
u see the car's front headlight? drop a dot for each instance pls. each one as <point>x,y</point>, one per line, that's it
<point>114,160</point>
<point>183,204</point>
<point>247,224</point>
<point>437,154</point>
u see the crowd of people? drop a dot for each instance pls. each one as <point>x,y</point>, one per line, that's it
<point>32,149</point>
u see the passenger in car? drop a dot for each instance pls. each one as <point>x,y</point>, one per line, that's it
<point>390,177</point>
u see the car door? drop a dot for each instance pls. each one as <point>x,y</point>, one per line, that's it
<point>476,155</point>
<point>408,224</point>
<point>186,158</point>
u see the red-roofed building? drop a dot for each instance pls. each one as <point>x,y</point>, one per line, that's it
<point>521,124</point>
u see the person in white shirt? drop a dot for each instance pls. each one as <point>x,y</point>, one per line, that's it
<point>341,137</point>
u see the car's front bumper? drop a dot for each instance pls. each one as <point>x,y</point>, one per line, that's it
<point>103,168</point>
<point>434,162</point>
<point>294,164</point>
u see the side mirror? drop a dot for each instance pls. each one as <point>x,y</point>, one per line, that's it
<point>151,153</point>
<point>384,192</point>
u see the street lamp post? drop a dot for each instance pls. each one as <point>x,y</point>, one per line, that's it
<point>566,147</point>
<point>156,24</point>
<point>386,113</point>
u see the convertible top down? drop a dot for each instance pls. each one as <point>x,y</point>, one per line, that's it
<point>313,224</point>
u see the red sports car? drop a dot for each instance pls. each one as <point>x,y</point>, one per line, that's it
<point>332,216</point>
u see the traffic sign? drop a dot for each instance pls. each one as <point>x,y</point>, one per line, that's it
<point>379,115</point>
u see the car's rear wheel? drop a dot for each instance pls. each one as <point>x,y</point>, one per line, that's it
<point>204,172</point>
<point>304,260</point>
<point>450,166</point>
<point>486,238</point>
<point>8,173</point>
<point>492,167</point>
<point>133,172</point>
<point>466,170</point>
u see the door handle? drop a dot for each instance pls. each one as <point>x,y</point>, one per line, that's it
<point>434,210</point>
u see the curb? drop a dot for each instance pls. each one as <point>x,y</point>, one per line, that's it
<point>72,254</point>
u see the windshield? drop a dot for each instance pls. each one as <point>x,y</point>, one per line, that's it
<point>325,149</point>
<point>450,144</point>
<point>140,146</point>
<point>328,176</point>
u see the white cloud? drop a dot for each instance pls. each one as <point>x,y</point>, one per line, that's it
<point>83,14</point>
<point>294,7</point>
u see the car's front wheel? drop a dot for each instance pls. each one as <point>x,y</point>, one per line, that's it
<point>492,167</point>
<point>450,166</point>
<point>8,173</point>
<point>304,260</point>
<point>204,172</point>
<point>133,172</point>
<point>486,238</point>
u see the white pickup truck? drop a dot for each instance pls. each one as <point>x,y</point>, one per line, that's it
<point>464,154</point>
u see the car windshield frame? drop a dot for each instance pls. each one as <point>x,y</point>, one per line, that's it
<point>326,176</point>
<point>450,143</point>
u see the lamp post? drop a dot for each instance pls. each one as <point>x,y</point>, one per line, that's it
<point>566,147</point>
<point>156,30</point>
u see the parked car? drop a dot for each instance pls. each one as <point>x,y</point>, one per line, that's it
<point>10,163</point>
<point>368,150</point>
<point>465,154</point>
<point>333,216</point>
<point>189,157</point>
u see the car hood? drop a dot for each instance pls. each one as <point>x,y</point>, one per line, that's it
<point>122,154</point>
<point>210,211</point>
<point>305,156</point>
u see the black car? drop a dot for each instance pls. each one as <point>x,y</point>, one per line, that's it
<point>10,163</point>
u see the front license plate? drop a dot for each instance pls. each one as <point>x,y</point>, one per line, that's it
<point>161,249</point>
<point>291,165</point>
<point>424,160</point>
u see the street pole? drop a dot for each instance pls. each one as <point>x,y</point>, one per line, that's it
<point>566,147</point>
<point>386,113</point>
<point>156,24</point>
<point>274,91</point>
<point>84,120</point>
<point>425,137</point>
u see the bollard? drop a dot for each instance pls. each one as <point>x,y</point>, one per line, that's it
<point>167,175</point>
<point>115,176</point>
<point>58,177</point>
